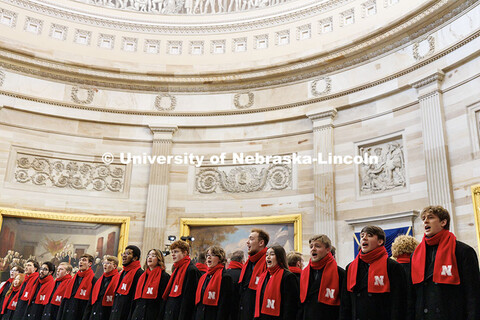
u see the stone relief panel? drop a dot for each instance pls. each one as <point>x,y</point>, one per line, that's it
<point>2,77</point>
<point>243,100</point>
<point>321,86</point>
<point>424,48</point>
<point>82,95</point>
<point>165,102</point>
<point>243,179</point>
<point>52,172</point>
<point>8,18</point>
<point>185,6</point>
<point>389,174</point>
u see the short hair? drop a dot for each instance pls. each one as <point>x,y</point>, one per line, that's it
<point>404,244</point>
<point>262,235</point>
<point>51,266</point>
<point>22,278</point>
<point>238,256</point>
<point>293,258</point>
<point>333,250</point>
<point>67,266</point>
<point>88,256</point>
<point>201,257</point>
<point>35,263</point>
<point>136,251</point>
<point>218,252</point>
<point>375,231</point>
<point>321,238</point>
<point>281,256</point>
<point>19,269</point>
<point>180,244</point>
<point>112,259</point>
<point>159,255</point>
<point>438,211</point>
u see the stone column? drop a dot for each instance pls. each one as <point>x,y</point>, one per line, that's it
<point>324,192</point>
<point>156,211</point>
<point>434,142</point>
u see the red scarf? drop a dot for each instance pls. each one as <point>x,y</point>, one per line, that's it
<point>43,295</point>
<point>177,279</point>
<point>107,300</point>
<point>201,266</point>
<point>11,306</point>
<point>260,266</point>
<point>329,292</point>
<point>10,280</point>
<point>85,288</point>
<point>150,289</point>
<point>378,281</point>
<point>403,258</point>
<point>296,270</point>
<point>57,296</point>
<point>235,265</point>
<point>272,297</point>
<point>29,283</point>
<point>445,269</point>
<point>126,284</point>
<point>212,291</point>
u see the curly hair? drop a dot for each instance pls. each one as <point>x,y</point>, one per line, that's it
<point>404,245</point>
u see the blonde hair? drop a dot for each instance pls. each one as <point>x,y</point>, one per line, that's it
<point>404,245</point>
<point>321,238</point>
<point>112,259</point>
<point>159,255</point>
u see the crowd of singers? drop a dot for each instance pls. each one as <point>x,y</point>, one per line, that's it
<point>437,279</point>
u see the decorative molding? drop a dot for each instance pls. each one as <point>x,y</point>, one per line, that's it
<point>158,102</point>
<point>238,96</point>
<point>323,25</point>
<point>366,6</point>
<point>280,36</point>
<point>243,179</point>
<point>330,115</point>
<point>83,37</point>
<point>215,44</point>
<point>390,173</point>
<point>33,25</point>
<point>129,44</point>
<point>2,77</point>
<point>54,28</point>
<point>106,41</point>
<point>174,47</point>
<point>424,48</point>
<point>196,47</point>
<point>87,100</point>
<point>73,174</point>
<point>436,77</point>
<point>345,17</point>
<point>304,32</point>
<point>239,41</point>
<point>409,216</point>
<point>8,18</point>
<point>260,41</point>
<point>327,84</point>
<point>151,46</point>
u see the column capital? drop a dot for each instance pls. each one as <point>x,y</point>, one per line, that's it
<point>162,132</point>
<point>429,83</point>
<point>322,119</point>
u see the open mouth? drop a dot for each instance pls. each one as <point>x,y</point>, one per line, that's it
<point>364,244</point>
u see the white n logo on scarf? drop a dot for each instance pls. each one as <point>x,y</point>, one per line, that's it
<point>379,280</point>
<point>330,293</point>
<point>25,295</point>
<point>150,290</point>
<point>109,298</point>
<point>83,292</point>
<point>447,270</point>
<point>176,288</point>
<point>58,298</point>
<point>211,295</point>
<point>42,297</point>
<point>124,286</point>
<point>270,304</point>
<point>257,279</point>
<point>14,303</point>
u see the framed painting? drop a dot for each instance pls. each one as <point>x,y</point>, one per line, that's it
<point>58,237</point>
<point>232,234</point>
<point>476,210</point>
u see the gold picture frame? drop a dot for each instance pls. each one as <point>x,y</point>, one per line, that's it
<point>476,210</point>
<point>295,219</point>
<point>122,222</point>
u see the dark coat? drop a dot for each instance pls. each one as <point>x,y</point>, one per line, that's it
<point>246,308</point>
<point>362,305</point>
<point>8,315</point>
<point>444,301</point>
<point>97,311</point>
<point>311,308</point>
<point>182,307</point>
<point>3,294</point>
<point>290,293</point>
<point>21,308</point>
<point>122,303</point>
<point>222,311</point>
<point>35,311</point>
<point>50,311</point>
<point>234,304</point>
<point>151,309</point>
<point>73,308</point>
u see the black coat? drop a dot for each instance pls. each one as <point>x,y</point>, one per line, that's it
<point>246,308</point>
<point>8,315</point>
<point>222,311</point>
<point>311,308</point>
<point>73,308</point>
<point>35,311</point>
<point>21,308</point>
<point>3,294</point>
<point>362,305</point>
<point>182,307</point>
<point>290,301</point>
<point>234,304</point>
<point>151,309</point>
<point>122,303</point>
<point>50,311</point>
<point>444,301</point>
<point>97,311</point>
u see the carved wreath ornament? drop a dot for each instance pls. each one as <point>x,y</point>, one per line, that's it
<point>69,174</point>
<point>244,179</point>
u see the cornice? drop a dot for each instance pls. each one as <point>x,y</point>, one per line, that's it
<point>273,76</point>
<point>436,77</point>
<point>153,26</point>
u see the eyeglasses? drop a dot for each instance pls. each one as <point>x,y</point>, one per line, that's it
<point>44,269</point>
